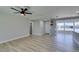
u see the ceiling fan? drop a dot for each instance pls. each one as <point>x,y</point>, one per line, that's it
<point>22,11</point>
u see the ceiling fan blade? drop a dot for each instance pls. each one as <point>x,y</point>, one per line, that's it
<point>25,9</point>
<point>14,9</point>
<point>19,7</point>
<point>16,12</point>
<point>28,7</point>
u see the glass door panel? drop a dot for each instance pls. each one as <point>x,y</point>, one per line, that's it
<point>68,26</point>
<point>60,25</point>
<point>65,25</point>
<point>77,26</point>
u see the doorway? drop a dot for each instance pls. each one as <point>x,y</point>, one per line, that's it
<point>30,28</point>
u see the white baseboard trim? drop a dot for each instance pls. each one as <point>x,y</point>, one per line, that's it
<point>37,34</point>
<point>14,38</point>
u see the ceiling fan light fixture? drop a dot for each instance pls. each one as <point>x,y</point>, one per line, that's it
<point>22,11</point>
<point>22,14</point>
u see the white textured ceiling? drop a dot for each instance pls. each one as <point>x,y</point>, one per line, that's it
<point>43,12</point>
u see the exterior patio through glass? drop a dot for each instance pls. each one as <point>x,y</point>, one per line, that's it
<point>67,25</point>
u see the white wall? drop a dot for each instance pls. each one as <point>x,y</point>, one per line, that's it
<point>37,27</point>
<point>13,27</point>
<point>41,27</point>
<point>47,27</point>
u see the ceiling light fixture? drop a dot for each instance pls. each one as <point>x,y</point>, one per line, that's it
<point>22,14</point>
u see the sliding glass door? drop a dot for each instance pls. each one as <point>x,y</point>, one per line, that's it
<point>68,25</point>
<point>60,25</point>
<point>76,26</point>
<point>64,25</point>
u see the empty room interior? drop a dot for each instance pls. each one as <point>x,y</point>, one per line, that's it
<point>39,28</point>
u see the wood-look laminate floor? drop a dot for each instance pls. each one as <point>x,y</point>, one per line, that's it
<point>29,44</point>
<point>46,43</point>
